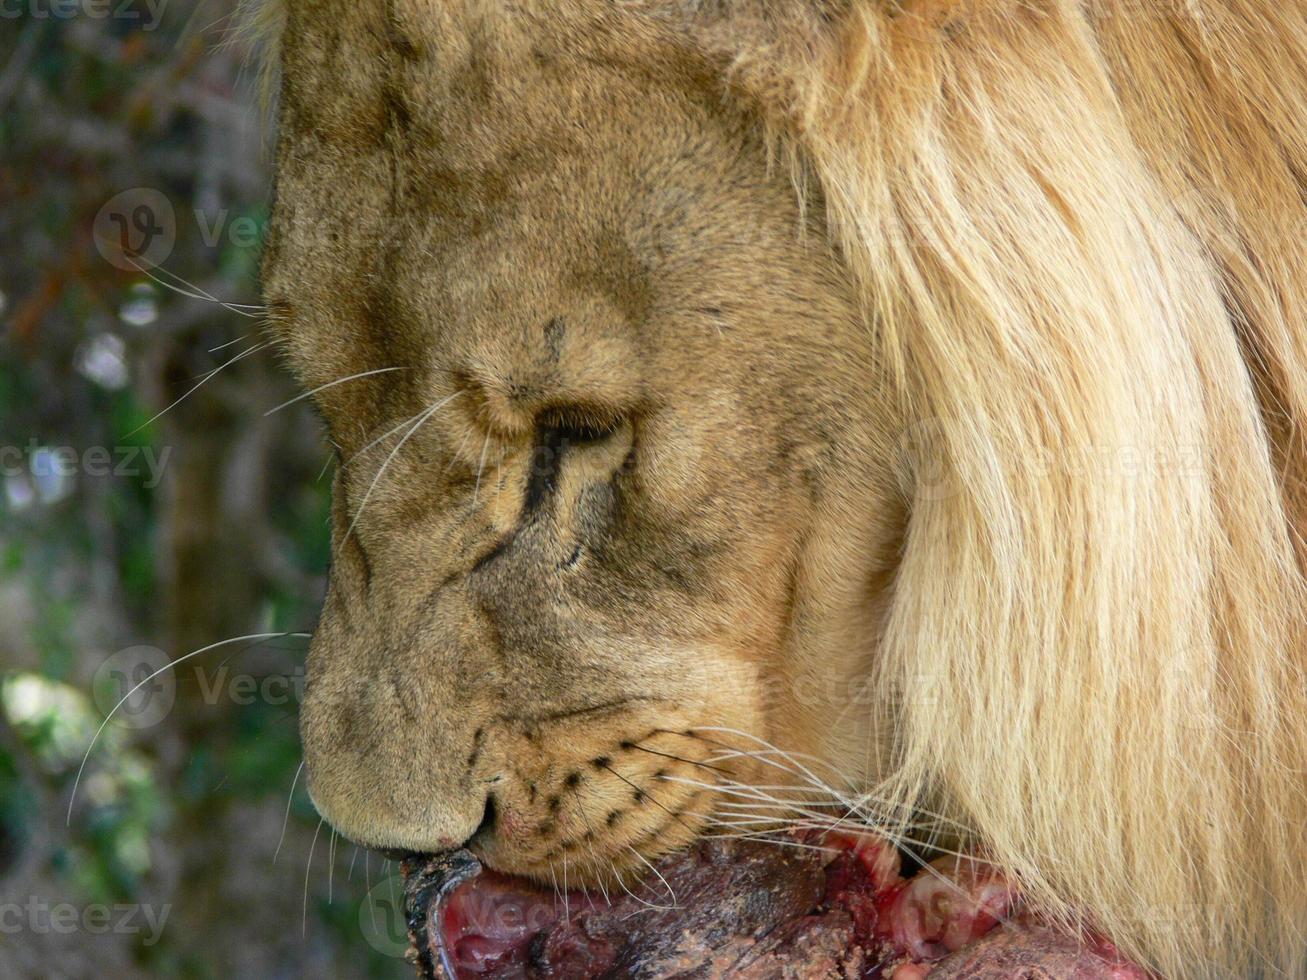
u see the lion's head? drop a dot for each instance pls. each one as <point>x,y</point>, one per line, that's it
<point>633,471</point>
<point>863,379</point>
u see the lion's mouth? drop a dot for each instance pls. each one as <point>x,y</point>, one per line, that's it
<point>830,907</point>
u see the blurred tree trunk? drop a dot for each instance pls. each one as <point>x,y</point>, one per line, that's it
<point>238,912</point>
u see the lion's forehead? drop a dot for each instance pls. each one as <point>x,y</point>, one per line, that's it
<point>617,211</point>
<point>477,83</point>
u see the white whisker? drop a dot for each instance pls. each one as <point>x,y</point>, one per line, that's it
<point>778,841</point>
<point>285,820</point>
<point>567,909</point>
<point>385,435</point>
<point>204,379</point>
<point>648,905</point>
<point>308,867</point>
<point>332,384</point>
<point>331,864</point>
<point>576,801</point>
<point>398,446</point>
<point>194,653</point>
<point>645,861</point>
<point>214,350</point>
<point>195,292</point>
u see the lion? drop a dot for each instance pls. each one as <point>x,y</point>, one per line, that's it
<point>916,388</point>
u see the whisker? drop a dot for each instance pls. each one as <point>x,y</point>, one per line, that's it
<point>786,787</point>
<point>791,757</point>
<point>204,379</point>
<point>740,789</point>
<point>332,384</point>
<point>868,798</point>
<point>400,445</point>
<point>193,291</point>
<point>285,820</point>
<point>778,842</point>
<point>766,803</point>
<point>580,808</point>
<point>204,293</point>
<point>232,360</point>
<point>798,808</point>
<point>385,435</point>
<point>554,876</point>
<point>645,861</point>
<point>648,905</point>
<point>214,350</point>
<point>331,863</point>
<point>308,867</point>
<point>754,798</point>
<point>649,796</point>
<point>395,903</point>
<point>677,758</point>
<point>327,463</point>
<point>765,756</point>
<point>367,883</point>
<point>855,807</point>
<point>757,811</point>
<point>567,906</point>
<point>857,803</point>
<point>754,820</point>
<point>890,834</point>
<point>194,653</point>
<point>456,455</point>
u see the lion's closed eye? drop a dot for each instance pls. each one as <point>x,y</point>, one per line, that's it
<point>575,429</point>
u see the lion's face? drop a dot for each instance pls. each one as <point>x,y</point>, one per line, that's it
<point>630,482</point>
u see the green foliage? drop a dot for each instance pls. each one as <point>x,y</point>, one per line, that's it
<point>56,723</point>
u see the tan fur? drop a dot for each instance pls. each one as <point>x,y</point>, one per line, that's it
<point>993,507</point>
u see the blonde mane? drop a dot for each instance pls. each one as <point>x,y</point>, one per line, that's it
<point>1079,229</point>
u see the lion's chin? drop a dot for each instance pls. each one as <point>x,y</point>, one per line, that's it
<point>830,906</point>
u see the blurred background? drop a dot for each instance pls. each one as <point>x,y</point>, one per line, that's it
<point>149,508</point>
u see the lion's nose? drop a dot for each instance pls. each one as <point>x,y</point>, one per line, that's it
<point>420,803</point>
<point>484,829</point>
